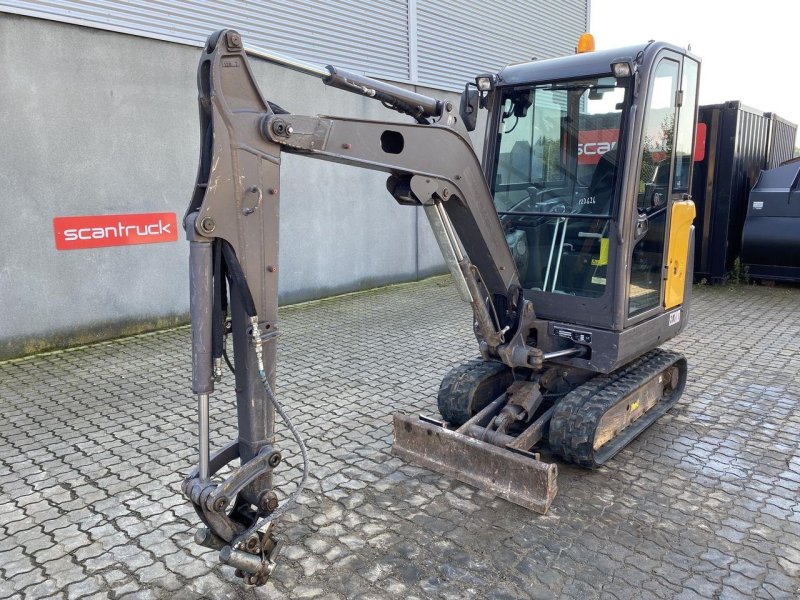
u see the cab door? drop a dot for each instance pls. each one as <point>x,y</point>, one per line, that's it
<point>664,175</point>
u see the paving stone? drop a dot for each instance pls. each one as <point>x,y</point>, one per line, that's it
<point>24,580</point>
<point>87,587</point>
<point>701,505</point>
<point>41,590</point>
<point>305,591</point>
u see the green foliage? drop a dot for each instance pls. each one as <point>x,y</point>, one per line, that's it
<point>740,273</point>
<point>656,145</point>
<point>550,151</point>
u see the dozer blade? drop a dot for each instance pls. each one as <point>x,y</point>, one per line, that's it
<point>513,476</point>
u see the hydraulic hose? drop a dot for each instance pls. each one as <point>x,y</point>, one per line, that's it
<point>237,279</point>
<point>258,524</point>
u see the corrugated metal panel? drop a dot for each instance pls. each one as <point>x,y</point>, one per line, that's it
<point>781,141</point>
<point>454,40</point>
<point>458,40</point>
<point>736,152</point>
<point>370,36</point>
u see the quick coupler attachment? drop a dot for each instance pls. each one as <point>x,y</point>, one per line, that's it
<point>254,563</point>
<point>508,473</point>
<point>233,510</point>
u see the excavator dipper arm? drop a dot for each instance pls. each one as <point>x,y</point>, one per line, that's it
<point>232,225</point>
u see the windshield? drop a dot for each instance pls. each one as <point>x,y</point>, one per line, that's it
<point>555,180</point>
<point>557,147</point>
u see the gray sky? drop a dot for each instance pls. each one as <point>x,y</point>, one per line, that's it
<point>750,50</point>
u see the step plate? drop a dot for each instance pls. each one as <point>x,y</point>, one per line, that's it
<point>514,477</point>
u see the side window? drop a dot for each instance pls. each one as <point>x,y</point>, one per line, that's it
<point>684,138</point>
<point>530,152</point>
<point>658,145</point>
<point>547,167</point>
<point>658,139</point>
<point>514,164</point>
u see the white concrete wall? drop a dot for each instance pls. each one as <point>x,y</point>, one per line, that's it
<point>95,122</point>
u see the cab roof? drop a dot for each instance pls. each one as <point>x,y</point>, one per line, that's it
<point>577,65</point>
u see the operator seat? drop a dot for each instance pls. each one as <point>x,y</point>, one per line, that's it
<point>602,184</point>
<point>519,166</point>
<point>579,274</point>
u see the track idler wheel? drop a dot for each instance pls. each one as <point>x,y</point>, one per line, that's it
<point>596,420</point>
<point>468,388</point>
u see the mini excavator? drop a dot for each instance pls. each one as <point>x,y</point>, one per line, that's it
<point>571,240</point>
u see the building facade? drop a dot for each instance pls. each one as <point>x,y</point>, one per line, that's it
<point>98,114</point>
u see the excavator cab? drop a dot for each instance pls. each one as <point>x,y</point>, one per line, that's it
<point>571,241</point>
<point>587,157</point>
<point>589,161</point>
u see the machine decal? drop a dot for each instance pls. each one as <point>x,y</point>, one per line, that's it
<point>700,142</point>
<point>97,231</point>
<point>674,318</point>
<point>581,337</point>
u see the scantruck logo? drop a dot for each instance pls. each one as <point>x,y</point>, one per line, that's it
<point>97,231</point>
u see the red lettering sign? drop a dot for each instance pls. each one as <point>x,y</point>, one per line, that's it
<point>593,143</point>
<point>97,231</point>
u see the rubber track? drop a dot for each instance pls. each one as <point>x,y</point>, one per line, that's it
<point>456,393</point>
<point>573,426</point>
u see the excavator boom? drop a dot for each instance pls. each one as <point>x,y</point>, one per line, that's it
<point>232,225</point>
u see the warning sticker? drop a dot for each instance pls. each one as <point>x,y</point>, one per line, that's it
<point>581,337</point>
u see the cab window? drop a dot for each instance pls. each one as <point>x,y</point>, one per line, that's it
<point>655,175</point>
<point>555,180</point>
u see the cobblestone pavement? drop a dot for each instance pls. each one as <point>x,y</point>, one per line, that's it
<point>95,441</point>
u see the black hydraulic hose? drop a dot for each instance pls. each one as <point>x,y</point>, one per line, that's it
<point>228,360</point>
<point>237,278</point>
<point>300,486</point>
<point>278,110</point>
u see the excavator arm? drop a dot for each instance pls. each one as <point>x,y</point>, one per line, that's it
<point>232,226</point>
<point>431,163</point>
